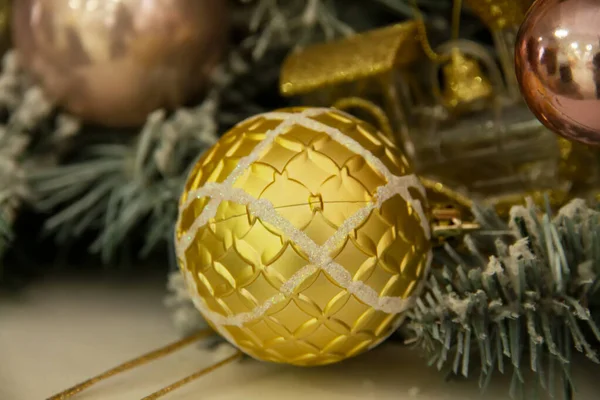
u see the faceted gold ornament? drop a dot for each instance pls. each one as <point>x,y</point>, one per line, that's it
<point>303,236</point>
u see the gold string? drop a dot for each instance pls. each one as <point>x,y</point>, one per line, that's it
<point>440,188</point>
<point>456,11</point>
<point>376,112</point>
<point>193,377</point>
<point>422,29</point>
<point>136,362</point>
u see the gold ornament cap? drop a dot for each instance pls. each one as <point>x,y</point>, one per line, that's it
<point>303,236</point>
<point>467,88</point>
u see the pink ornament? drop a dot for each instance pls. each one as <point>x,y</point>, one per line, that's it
<point>558,66</point>
<point>113,62</point>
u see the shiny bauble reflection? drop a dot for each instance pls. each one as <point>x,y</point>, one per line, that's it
<point>114,61</point>
<point>558,66</point>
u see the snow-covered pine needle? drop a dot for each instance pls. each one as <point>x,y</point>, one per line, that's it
<point>525,307</point>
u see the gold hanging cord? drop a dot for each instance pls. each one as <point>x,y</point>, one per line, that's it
<point>146,358</point>
<point>168,389</point>
<point>422,28</point>
<point>371,108</point>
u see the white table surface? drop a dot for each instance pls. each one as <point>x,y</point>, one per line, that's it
<point>58,332</point>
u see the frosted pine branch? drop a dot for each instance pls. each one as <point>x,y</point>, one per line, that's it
<point>186,317</point>
<point>293,23</point>
<point>21,139</point>
<point>120,187</point>
<point>117,187</point>
<point>525,308</point>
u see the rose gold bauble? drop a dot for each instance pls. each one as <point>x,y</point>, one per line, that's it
<point>558,66</point>
<point>114,61</point>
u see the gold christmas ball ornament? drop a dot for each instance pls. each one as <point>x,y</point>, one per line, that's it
<point>303,236</point>
<point>113,62</point>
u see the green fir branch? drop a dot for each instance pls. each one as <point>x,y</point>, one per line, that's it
<point>118,188</point>
<point>293,23</point>
<point>524,308</point>
<point>30,134</point>
<point>184,314</point>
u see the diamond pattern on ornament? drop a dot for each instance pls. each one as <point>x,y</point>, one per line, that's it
<point>319,256</point>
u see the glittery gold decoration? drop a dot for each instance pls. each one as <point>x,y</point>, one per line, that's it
<point>503,18</point>
<point>500,14</point>
<point>467,88</point>
<point>373,66</point>
<point>367,55</point>
<point>303,236</point>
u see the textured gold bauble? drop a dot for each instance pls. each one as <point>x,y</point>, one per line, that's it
<point>113,62</point>
<point>303,236</point>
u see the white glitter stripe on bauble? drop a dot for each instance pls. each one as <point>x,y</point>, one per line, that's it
<point>319,256</point>
<point>356,148</point>
<point>291,119</point>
